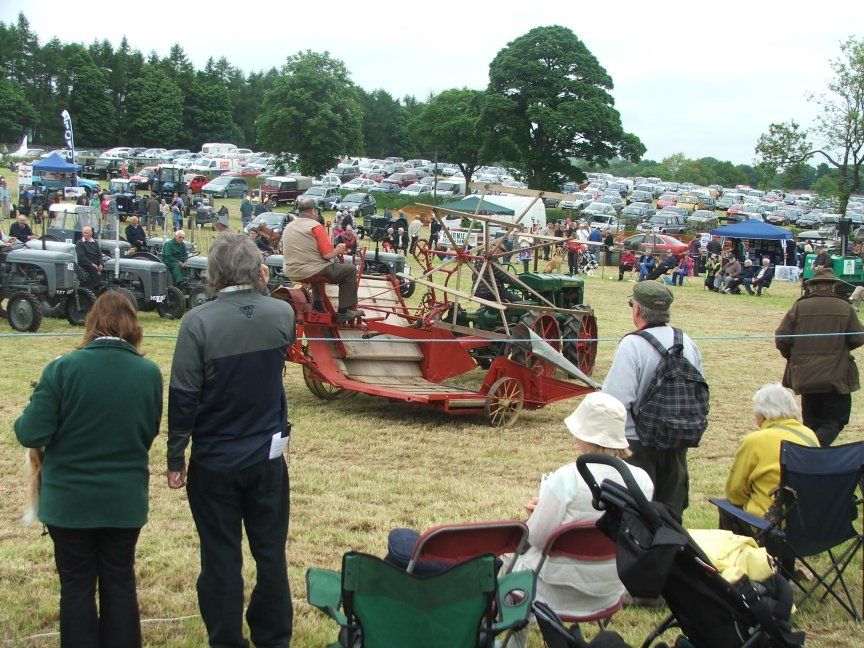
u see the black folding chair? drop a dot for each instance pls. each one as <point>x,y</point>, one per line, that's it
<point>813,513</point>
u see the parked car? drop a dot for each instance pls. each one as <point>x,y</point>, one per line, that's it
<point>225,187</point>
<point>359,184</point>
<point>276,221</point>
<point>346,172</point>
<point>637,212</point>
<point>143,179</point>
<point>284,188</point>
<point>385,186</point>
<point>667,200</point>
<point>195,181</point>
<point>603,222</point>
<point>665,223</point>
<point>324,197</point>
<point>328,180</point>
<point>172,154</point>
<point>597,208</point>
<point>362,203</point>
<point>151,153</point>
<point>655,244</point>
<point>374,176</point>
<point>616,202</point>
<point>417,189</point>
<point>404,179</point>
<point>702,220</point>
<point>641,197</point>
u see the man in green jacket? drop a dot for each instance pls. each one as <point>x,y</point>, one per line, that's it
<point>175,255</point>
<point>821,367</point>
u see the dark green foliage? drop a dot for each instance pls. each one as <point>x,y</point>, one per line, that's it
<point>154,110</point>
<point>449,128</point>
<point>207,114</point>
<point>91,103</point>
<point>552,102</point>
<point>16,113</point>
<point>313,111</point>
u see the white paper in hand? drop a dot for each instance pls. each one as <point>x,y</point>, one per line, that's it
<point>278,444</point>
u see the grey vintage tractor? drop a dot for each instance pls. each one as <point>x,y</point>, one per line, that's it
<point>38,280</point>
<point>386,263</point>
<point>67,222</point>
<point>276,264</point>
<point>142,281</point>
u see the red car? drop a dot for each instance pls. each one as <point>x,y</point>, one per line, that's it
<point>374,176</point>
<point>195,181</point>
<point>667,200</point>
<point>655,244</point>
<point>144,178</point>
<point>404,179</point>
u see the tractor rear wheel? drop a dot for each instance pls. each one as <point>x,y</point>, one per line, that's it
<point>322,390</point>
<point>577,330</point>
<point>78,304</point>
<point>24,313</point>
<point>129,295</point>
<point>174,304</point>
<point>545,325</point>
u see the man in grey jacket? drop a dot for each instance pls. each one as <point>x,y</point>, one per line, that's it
<point>632,369</point>
<point>226,395</point>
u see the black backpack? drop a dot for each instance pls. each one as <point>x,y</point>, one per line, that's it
<point>673,412</point>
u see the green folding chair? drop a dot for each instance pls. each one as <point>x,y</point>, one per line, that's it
<point>384,606</point>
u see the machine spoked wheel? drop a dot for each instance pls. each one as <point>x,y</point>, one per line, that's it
<point>422,244</point>
<point>24,313</point>
<point>577,330</point>
<point>545,326</point>
<point>129,295</point>
<point>504,402</point>
<point>197,297</point>
<point>322,390</point>
<point>174,304</point>
<point>78,304</point>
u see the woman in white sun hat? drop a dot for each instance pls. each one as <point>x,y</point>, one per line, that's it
<point>574,587</point>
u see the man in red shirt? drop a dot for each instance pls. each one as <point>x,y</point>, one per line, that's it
<point>308,252</point>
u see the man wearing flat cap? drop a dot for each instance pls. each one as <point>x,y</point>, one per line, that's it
<point>821,368</point>
<point>633,368</point>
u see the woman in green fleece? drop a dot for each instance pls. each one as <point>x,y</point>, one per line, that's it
<point>93,496</point>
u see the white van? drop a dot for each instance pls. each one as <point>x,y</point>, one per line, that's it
<point>215,148</point>
<point>213,166</point>
<point>450,188</point>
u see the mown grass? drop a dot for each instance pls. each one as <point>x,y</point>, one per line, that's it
<point>361,466</point>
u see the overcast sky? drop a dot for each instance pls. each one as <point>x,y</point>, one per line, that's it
<point>703,78</point>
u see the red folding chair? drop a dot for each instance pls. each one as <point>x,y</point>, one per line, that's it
<point>581,541</point>
<point>454,543</point>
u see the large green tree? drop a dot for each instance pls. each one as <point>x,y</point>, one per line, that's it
<point>154,110</point>
<point>449,128</point>
<point>384,123</point>
<point>838,135</point>
<point>550,102</point>
<point>17,115</point>
<point>313,112</point>
<point>91,105</point>
<point>207,114</point>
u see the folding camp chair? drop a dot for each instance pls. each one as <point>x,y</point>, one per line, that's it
<point>581,541</point>
<point>813,512</point>
<point>384,606</point>
<point>454,543</point>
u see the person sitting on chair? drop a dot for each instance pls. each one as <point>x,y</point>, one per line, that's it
<point>646,266</point>
<point>627,264</point>
<point>762,279</point>
<point>755,471</point>
<point>308,252</point>
<point>712,267</point>
<point>683,269</point>
<point>175,255</point>
<point>349,239</point>
<point>575,587</point>
<point>665,266</point>
<point>747,274</point>
<point>135,235</point>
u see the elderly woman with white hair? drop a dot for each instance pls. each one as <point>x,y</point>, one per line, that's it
<point>755,471</point>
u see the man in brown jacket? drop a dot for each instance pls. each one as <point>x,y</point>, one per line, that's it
<point>821,368</point>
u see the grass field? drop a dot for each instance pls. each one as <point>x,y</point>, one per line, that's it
<point>360,467</point>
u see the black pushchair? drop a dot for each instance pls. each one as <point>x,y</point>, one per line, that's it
<point>655,556</point>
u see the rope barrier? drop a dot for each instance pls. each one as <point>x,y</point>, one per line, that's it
<point>165,336</point>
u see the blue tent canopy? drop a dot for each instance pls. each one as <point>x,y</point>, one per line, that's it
<point>55,164</point>
<point>753,229</point>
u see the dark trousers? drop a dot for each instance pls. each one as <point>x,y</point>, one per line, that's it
<point>343,275</point>
<point>413,245</point>
<point>826,414</point>
<point>668,470</point>
<point>85,558</point>
<point>624,267</point>
<point>573,262</point>
<point>256,498</point>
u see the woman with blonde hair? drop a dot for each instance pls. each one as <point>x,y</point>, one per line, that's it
<point>94,476</point>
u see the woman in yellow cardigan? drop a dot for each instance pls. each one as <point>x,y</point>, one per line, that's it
<point>755,471</point>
